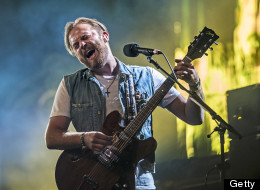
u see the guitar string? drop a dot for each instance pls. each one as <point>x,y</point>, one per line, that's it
<point>98,170</point>
<point>93,173</point>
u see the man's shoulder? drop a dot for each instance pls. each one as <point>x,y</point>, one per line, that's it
<point>77,76</point>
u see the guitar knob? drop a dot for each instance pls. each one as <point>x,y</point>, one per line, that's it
<point>206,54</point>
<point>215,42</point>
<point>211,49</point>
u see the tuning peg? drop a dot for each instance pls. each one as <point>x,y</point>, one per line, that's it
<point>211,49</point>
<point>206,54</point>
<point>215,42</point>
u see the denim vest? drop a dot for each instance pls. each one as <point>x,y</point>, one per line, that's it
<point>88,102</point>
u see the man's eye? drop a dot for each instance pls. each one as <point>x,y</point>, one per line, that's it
<point>85,37</point>
<point>76,46</point>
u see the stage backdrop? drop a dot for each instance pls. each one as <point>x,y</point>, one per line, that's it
<point>33,61</point>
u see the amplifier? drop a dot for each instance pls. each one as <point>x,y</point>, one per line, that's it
<point>243,108</point>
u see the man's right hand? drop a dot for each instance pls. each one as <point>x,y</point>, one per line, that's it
<point>58,136</point>
<point>97,141</point>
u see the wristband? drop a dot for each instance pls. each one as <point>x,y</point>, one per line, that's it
<point>195,87</point>
<point>82,141</point>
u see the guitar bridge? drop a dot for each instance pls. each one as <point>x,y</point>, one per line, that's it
<point>107,158</point>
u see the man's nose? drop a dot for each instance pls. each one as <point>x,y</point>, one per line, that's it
<point>83,45</point>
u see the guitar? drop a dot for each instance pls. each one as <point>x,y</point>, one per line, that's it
<point>114,168</point>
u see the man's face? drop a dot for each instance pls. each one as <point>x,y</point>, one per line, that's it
<point>90,47</point>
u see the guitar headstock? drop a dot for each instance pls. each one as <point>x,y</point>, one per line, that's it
<point>202,43</point>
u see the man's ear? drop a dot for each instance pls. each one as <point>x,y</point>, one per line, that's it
<point>105,36</point>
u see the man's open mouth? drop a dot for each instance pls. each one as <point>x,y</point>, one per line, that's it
<point>90,53</point>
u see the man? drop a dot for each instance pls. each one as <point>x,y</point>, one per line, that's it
<point>89,95</point>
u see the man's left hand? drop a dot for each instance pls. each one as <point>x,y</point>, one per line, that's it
<point>186,72</point>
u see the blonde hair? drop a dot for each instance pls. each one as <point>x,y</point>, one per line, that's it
<point>70,25</point>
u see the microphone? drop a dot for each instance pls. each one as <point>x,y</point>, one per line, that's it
<point>133,50</point>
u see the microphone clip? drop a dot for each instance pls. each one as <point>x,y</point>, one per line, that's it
<point>151,60</point>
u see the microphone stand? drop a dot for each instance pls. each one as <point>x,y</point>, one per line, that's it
<point>222,125</point>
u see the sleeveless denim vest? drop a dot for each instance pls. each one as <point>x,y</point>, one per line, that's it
<point>88,102</point>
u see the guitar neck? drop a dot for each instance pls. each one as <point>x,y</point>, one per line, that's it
<point>186,59</point>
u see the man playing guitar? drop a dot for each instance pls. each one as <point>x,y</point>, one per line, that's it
<point>88,96</point>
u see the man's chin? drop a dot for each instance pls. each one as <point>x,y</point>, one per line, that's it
<point>98,65</point>
<point>93,65</point>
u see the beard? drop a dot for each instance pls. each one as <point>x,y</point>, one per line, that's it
<point>99,61</point>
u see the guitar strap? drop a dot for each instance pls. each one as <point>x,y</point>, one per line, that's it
<point>131,110</point>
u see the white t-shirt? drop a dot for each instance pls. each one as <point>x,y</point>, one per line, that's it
<point>61,105</point>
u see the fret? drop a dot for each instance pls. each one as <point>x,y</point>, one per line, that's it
<point>186,59</point>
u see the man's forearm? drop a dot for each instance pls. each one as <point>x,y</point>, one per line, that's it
<point>58,136</point>
<point>195,113</point>
<point>63,140</point>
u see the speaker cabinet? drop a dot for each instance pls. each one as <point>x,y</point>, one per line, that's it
<point>243,106</point>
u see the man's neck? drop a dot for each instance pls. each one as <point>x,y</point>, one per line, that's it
<point>110,68</point>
